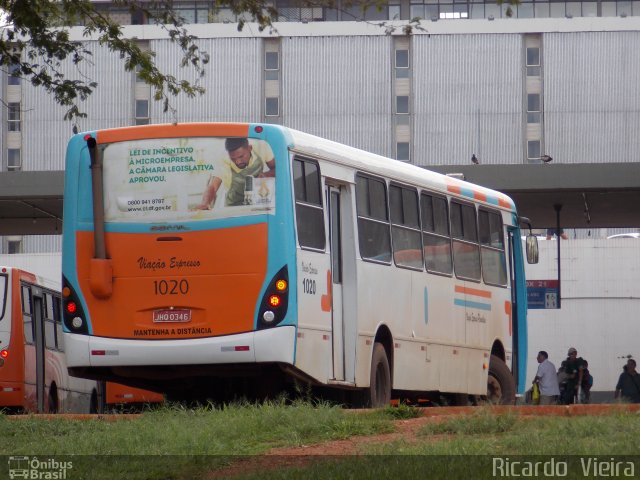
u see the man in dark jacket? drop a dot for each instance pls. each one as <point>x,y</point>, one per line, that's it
<point>573,368</point>
<point>628,386</point>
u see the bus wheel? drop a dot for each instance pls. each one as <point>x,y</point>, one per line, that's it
<point>53,400</point>
<point>379,393</point>
<point>96,404</point>
<point>501,388</point>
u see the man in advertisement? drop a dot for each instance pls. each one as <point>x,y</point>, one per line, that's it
<point>244,163</point>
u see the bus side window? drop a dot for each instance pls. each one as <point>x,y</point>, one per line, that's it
<point>374,238</point>
<point>464,230</point>
<point>309,212</point>
<point>405,227</point>
<point>58,317</point>
<point>27,316</point>
<point>494,267</point>
<point>435,234</point>
<point>49,322</point>
<point>4,279</point>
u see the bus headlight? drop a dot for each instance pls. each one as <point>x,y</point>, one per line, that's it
<point>268,316</point>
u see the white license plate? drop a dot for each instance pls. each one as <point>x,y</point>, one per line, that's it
<point>172,316</point>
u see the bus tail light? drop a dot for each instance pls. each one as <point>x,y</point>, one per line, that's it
<point>74,317</point>
<point>275,300</point>
<point>4,354</point>
<point>71,307</point>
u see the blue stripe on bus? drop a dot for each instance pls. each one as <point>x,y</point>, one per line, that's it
<point>493,200</point>
<point>465,303</point>
<point>77,200</point>
<point>282,242</point>
<point>467,192</point>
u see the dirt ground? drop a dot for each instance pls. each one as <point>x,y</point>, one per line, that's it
<point>405,430</point>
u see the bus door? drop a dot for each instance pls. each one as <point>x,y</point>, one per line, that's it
<point>516,312</point>
<point>38,323</point>
<point>335,247</point>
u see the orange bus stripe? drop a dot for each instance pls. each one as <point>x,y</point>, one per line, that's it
<point>479,196</point>
<point>173,130</point>
<point>504,203</point>
<point>473,291</point>
<point>454,189</point>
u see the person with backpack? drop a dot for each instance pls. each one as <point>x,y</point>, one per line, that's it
<point>628,387</point>
<point>572,370</point>
<point>587,383</point>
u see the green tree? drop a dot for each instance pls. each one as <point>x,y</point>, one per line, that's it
<point>35,43</point>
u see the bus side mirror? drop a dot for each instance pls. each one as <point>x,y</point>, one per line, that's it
<point>532,249</point>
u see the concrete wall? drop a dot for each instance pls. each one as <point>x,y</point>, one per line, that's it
<point>599,309</point>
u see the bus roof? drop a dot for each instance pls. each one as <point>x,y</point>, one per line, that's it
<point>396,170</point>
<point>31,277</point>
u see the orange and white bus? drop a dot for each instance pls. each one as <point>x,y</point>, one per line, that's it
<point>33,367</point>
<point>214,257</point>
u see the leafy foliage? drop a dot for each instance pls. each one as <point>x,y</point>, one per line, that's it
<point>36,43</point>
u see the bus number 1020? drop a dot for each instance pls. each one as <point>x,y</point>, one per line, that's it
<point>170,287</point>
<point>309,286</point>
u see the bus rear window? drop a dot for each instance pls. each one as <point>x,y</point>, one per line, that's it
<point>184,179</point>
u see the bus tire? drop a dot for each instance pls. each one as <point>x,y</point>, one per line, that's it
<point>501,388</point>
<point>97,402</point>
<point>379,392</point>
<point>52,400</point>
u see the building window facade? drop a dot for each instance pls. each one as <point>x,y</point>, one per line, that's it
<point>13,117</point>
<point>533,150</point>
<point>13,245</point>
<point>401,84</point>
<point>533,108</point>
<point>14,159</point>
<point>207,11</point>
<point>533,97</point>
<point>142,112</point>
<point>14,75</point>
<point>271,65</point>
<point>272,106</point>
<point>272,79</point>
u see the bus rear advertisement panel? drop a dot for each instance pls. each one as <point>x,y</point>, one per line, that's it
<point>163,180</point>
<point>197,257</point>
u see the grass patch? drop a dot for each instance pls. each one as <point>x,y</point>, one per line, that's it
<point>178,443</point>
<point>463,447</point>
<point>170,441</point>
<point>481,422</point>
<point>484,433</point>
<point>402,412</point>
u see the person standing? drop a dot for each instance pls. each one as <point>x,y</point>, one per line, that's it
<point>573,368</point>
<point>547,380</point>
<point>628,386</point>
<point>587,383</point>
